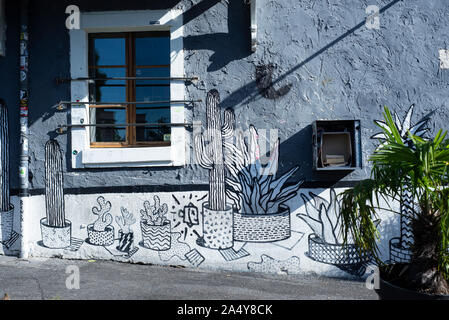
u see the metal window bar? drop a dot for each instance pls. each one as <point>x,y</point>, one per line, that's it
<point>61,104</point>
<point>105,125</point>
<point>92,80</point>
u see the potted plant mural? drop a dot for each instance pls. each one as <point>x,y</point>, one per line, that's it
<point>156,228</point>
<point>101,232</point>
<point>6,208</point>
<point>422,165</point>
<point>209,148</point>
<point>126,235</point>
<point>326,241</point>
<point>259,196</point>
<point>400,248</point>
<point>56,230</point>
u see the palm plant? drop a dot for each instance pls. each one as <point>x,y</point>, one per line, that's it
<point>420,165</point>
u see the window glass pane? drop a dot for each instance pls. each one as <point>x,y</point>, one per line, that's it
<point>153,93</point>
<point>153,115</point>
<point>108,116</point>
<point>109,51</point>
<point>161,72</point>
<point>110,94</point>
<point>108,90</point>
<point>153,50</point>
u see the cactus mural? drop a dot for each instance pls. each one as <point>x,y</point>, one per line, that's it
<point>101,232</point>
<point>126,235</point>
<point>217,213</point>
<point>156,228</point>
<point>56,230</point>
<point>7,210</point>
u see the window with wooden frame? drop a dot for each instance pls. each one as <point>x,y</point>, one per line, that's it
<point>127,56</point>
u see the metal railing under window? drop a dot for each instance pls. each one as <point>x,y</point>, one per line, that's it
<point>93,80</point>
<point>62,105</point>
<point>61,128</point>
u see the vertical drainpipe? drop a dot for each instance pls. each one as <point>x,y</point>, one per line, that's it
<point>253,8</point>
<point>24,131</point>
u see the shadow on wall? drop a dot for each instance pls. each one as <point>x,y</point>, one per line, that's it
<point>248,93</point>
<point>227,47</point>
<point>297,150</point>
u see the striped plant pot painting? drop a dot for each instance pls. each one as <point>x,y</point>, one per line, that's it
<point>126,241</point>
<point>156,238</point>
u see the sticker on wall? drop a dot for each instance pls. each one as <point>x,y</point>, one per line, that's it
<point>400,248</point>
<point>270,265</point>
<point>326,242</point>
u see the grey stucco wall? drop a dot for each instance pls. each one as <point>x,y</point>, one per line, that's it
<point>352,78</point>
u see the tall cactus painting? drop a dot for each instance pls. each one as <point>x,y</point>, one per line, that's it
<point>56,230</point>
<point>6,209</point>
<point>217,214</point>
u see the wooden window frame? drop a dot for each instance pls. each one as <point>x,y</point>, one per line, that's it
<point>130,66</point>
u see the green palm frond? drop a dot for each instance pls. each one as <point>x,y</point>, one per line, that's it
<point>421,164</point>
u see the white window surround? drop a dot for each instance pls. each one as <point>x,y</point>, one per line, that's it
<point>83,156</point>
<point>2,29</point>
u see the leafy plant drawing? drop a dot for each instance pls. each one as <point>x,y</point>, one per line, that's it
<point>253,187</point>
<point>323,217</point>
<point>326,242</point>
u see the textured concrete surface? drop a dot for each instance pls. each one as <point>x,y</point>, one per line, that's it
<point>46,280</point>
<point>338,69</point>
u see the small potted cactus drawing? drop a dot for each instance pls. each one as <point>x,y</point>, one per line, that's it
<point>126,235</point>
<point>56,230</point>
<point>101,233</point>
<point>156,228</point>
<point>6,208</point>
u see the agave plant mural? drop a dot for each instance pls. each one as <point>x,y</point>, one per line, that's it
<point>326,242</point>
<point>400,247</point>
<point>257,193</point>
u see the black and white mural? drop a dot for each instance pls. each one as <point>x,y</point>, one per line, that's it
<point>326,242</point>
<point>251,218</point>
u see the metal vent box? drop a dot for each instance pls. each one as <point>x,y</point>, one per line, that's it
<point>337,145</point>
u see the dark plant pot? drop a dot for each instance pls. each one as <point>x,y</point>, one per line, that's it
<point>157,238</point>
<point>100,238</point>
<point>218,228</point>
<point>6,224</point>
<point>56,237</point>
<point>389,291</point>
<point>263,228</point>
<point>126,241</point>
